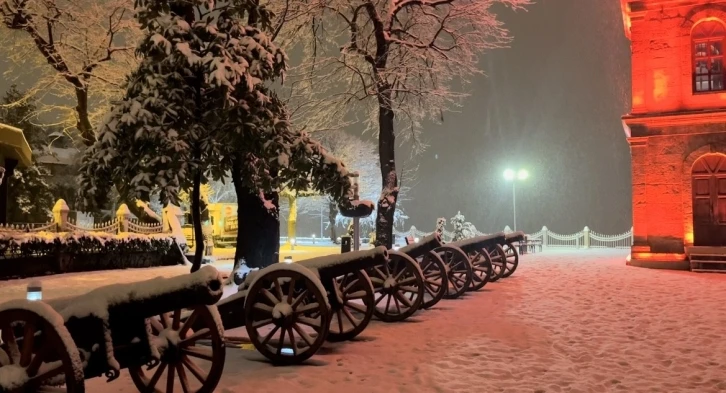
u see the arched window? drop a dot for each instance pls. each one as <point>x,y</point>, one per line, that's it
<point>708,63</point>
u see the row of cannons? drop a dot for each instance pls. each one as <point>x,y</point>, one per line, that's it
<point>169,333</point>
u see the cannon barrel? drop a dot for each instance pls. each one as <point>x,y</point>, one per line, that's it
<point>425,245</point>
<point>332,266</point>
<point>515,237</point>
<point>145,299</point>
<point>477,243</point>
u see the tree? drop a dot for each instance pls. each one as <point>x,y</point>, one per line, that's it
<point>400,58</point>
<point>31,197</point>
<point>198,60</point>
<point>196,109</point>
<point>88,46</point>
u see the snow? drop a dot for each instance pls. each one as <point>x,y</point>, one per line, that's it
<point>340,259</point>
<point>99,300</point>
<point>12,377</point>
<point>566,321</point>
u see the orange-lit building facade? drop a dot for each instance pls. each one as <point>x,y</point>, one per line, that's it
<point>677,129</point>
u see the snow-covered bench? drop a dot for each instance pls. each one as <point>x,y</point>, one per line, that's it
<point>147,327</point>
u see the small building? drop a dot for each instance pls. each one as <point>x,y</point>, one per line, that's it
<point>677,132</point>
<point>14,153</point>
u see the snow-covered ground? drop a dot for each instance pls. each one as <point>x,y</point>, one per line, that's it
<point>567,321</point>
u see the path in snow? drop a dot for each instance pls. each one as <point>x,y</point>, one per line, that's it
<point>567,321</point>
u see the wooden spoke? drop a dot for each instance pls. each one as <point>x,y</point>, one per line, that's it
<point>353,320</point>
<point>199,335</point>
<point>278,289</point>
<point>261,323</point>
<point>188,324</point>
<point>404,300</point>
<point>307,308</point>
<point>271,297</point>
<point>155,379</point>
<point>293,341</point>
<point>170,380</point>
<point>8,337</point>
<point>356,295</point>
<point>270,335</point>
<point>53,369</point>
<point>381,275</point>
<point>199,353</point>
<point>182,378</point>
<point>34,366</point>
<point>355,306</point>
<point>309,322</point>
<point>281,343</point>
<point>339,315</point>
<point>263,307</point>
<point>290,291</point>
<point>164,319</point>
<point>28,341</point>
<point>194,369</point>
<point>300,298</point>
<point>306,337</point>
<point>176,317</point>
<point>379,299</point>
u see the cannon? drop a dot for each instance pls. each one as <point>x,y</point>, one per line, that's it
<point>512,256</point>
<point>289,310</point>
<point>483,268</point>
<point>161,330</point>
<point>432,268</point>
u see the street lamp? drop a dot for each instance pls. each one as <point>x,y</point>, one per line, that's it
<point>512,176</point>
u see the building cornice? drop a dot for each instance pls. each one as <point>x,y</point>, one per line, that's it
<point>676,118</point>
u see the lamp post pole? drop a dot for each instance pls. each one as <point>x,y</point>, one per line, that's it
<point>510,175</point>
<point>356,220</point>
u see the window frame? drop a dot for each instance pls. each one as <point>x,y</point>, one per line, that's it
<point>708,58</point>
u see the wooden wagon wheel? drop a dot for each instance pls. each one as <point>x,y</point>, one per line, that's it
<point>435,281</point>
<point>481,268</point>
<point>512,259</point>
<point>399,287</point>
<point>288,326</point>
<point>191,343</point>
<point>351,305</point>
<point>458,270</point>
<point>41,353</point>
<point>499,262</point>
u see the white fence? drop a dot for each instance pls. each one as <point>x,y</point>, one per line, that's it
<point>586,238</point>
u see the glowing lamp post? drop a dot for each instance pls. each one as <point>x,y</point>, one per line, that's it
<point>512,176</point>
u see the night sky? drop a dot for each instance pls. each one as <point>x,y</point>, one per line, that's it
<point>551,104</point>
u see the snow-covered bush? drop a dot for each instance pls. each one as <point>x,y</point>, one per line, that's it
<point>462,229</point>
<point>30,254</point>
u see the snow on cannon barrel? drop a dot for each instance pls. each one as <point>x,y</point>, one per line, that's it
<point>432,268</point>
<point>478,250</point>
<point>356,209</point>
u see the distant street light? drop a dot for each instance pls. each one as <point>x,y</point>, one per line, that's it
<point>510,175</point>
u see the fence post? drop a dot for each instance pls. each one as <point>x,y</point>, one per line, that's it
<point>123,215</point>
<point>60,215</point>
<point>586,231</point>
<point>545,242</point>
<point>632,237</point>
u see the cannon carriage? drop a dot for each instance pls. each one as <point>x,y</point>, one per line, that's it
<point>166,332</point>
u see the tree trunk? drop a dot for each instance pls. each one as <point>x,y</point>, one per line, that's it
<point>197,222</point>
<point>332,214</point>
<point>258,231</point>
<point>386,153</point>
<point>84,123</point>
<point>291,217</point>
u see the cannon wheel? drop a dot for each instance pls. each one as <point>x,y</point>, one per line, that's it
<point>499,262</point>
<point>348,317</point>
<point>399,287</point>
<point>276,320</point>
<point>458,270</point>
<point>435,282</point>
<point>481,268</point>
<point>31,343</point>
<point>512,259</point>
<point>199,327</point>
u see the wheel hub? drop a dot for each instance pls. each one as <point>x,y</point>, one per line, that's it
<point>282,313</point>
<point>390,285</point>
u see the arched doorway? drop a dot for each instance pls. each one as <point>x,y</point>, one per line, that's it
<point>709,200</point>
